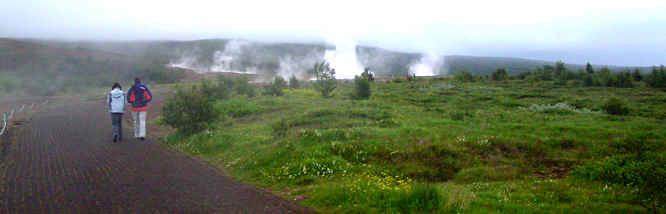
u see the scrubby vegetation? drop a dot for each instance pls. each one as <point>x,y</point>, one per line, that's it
<point>460,145</point>
<point>191,110</point>
<point>362,88</point>
<point>325,76</point>
<point>276,87</point>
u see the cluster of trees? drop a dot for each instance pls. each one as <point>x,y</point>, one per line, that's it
<point>587,77</point>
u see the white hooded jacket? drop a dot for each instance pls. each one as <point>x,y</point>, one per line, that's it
<point>117,101</point>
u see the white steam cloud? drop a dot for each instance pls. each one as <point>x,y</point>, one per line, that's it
<point>428,65</point>
<point>344,59</point>
<point>226,61</point>
<point>286,60</point>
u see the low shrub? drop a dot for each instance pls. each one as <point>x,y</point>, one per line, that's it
<point>326,81</point>
<point>294,83</point>
<point>242,86</point>
<point>464,76</point>
<point>615,106</point>
<point>646,174</point>
<point>276,87</point>
<point>459,115</point>
<point>486,174</point>
<point>422,198</point>
<point>188,111</point>
<point>214,91</point>
<point>361,88</point>
<point>638,163</point>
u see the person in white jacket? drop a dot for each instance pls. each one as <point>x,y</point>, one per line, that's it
<point>117,102</point>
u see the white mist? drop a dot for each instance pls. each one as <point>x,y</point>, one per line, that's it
<point>343,59</point>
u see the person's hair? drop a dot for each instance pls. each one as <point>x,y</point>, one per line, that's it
<point>116,85</point>
<point>137,80</point>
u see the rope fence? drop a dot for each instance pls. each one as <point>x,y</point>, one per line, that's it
<point>8,116</point>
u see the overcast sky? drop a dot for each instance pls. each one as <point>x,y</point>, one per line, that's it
<point>576,31</point>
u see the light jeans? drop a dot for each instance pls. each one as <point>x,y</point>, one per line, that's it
<point>139,118</point>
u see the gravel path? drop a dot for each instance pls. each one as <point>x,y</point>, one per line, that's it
<point>63,161</point>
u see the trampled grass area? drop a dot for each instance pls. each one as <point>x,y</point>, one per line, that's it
<point>433,145</point>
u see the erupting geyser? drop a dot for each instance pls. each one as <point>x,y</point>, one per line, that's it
<point>428,65</point>
<point>343,59</point>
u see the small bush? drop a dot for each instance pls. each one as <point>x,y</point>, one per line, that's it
<point>645,173</point>
<point>361,88</point>
<point>188,111</point>
<point>214,91</point>
<point>325,76</point>
<point>242,86</point>
<point>615,106</point>
<point>276,87</point>
<point>500,74</point>
<point>464,76</point>
<point>422,198</point>
<point>459,115</point>
<point>294,83</point>
<point>281,127</point>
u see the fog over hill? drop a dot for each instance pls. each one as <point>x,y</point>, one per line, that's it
<point>286,59</point>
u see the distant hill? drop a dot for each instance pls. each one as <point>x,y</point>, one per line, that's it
<point>15,54</point>
<point>274,58</point>
<point>486,65</point>
<point>42,69</point>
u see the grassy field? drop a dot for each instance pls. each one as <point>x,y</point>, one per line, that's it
<point>436,146</point>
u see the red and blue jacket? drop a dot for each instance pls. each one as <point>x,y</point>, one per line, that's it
<point>139,96</point>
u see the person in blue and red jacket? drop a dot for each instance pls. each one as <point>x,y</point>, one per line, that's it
<point>139,96</point>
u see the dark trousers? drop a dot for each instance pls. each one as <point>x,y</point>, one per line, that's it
<point>117,126</point>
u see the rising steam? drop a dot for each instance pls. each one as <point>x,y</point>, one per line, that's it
<point>286,60</point>
<point>428,65</point>
<point>344,59</point>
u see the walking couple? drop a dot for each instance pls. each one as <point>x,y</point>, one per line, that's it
<point>139,96</point>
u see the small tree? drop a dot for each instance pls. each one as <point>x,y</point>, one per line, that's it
<point>589,69</point>
<point>361,88</point>
<point>464,76</point>
<point>559,68</point>
<point>636,75</point>
<point>275,88</point>
<point>293,82</point>
<point>499,74</point>
<point>588,80</point>
<point>657,78</point>
<point>615,106</point>
<point>243,87</point>
<point>368,75</point>
<point>325,76</point>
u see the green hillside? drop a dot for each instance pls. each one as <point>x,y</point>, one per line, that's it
<point>41,69</point>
